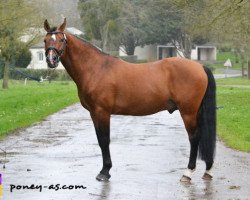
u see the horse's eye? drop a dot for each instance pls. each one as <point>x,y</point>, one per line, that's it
<point>44,40</point>
<point>61,40</point>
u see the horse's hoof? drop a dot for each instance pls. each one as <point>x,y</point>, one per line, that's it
<point>102,177</point>
<point>185,179</point>
<point>207,176</point>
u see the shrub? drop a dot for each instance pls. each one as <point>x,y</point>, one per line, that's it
<point>24,58</point>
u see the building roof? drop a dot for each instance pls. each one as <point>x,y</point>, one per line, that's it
<point>206,45</point>
<point>37,46</point>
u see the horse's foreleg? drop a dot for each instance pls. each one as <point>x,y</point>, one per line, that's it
<point>101,120</point>
<point>190,124</point>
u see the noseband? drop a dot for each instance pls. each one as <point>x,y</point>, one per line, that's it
<point>59,53</point>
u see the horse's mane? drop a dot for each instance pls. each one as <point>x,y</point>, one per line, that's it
<point>90,45</point>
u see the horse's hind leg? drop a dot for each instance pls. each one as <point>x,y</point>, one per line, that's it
<point>191,127</point>
<point>208,174</point>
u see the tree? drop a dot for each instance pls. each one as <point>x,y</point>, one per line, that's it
<point>231,23</point>
<point>24,58</point>
<point>56,10</point>
<point>8,52</point>
<point>15,18</point>
<point>221,21</point>
<point>100,21</point>
<point>134,23</point>
<point>150,22</point>
<point>129,23</point>
<point>188,34</point>
<point>131,20</point>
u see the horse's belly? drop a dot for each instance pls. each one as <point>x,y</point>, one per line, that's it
<point>140,107</point>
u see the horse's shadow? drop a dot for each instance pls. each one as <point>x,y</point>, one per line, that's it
<point>104,190</point>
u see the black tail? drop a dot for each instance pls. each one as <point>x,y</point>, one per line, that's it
<point>207,120</point>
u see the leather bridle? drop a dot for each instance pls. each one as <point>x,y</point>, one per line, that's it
<point>58,52</point>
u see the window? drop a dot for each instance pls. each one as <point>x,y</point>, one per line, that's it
<point>40,56</point>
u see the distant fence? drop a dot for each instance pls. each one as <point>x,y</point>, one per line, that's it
<point>58,74</point>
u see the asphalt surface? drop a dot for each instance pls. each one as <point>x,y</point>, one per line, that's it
<point>149,155</point>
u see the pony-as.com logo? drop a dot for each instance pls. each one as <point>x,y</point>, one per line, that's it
<point>1,187</point>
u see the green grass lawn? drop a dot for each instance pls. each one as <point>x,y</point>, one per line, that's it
<point>234,117</point>
<point>233,81</point>
<point>222,57</point>
<point>21,105</point>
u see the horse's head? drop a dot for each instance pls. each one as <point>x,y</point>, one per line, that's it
<point>55,43</point>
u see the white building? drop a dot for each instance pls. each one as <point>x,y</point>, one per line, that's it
<point>158,52</point>
<point>38,59</point>
<point>205,52</point>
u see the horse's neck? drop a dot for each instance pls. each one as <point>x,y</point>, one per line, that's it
<point>81,60</point>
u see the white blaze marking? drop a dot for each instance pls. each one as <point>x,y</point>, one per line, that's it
<point>50,55</point>
<point>53,37</point>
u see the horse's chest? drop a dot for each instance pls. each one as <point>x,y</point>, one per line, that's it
<point>85,100</point>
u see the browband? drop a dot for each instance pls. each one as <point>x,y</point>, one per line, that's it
<point>57,32</point>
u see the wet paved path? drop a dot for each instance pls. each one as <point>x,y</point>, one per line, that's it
<point>149,155</point>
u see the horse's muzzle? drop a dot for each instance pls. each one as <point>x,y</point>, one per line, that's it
<point>52,60</point>
<point>52,64</point>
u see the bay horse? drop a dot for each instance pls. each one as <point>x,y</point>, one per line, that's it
<point>110,86</point>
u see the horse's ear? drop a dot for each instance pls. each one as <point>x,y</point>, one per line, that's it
<point>46,26</point>
<point>62,27</point>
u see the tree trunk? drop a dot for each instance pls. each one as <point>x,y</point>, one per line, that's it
<point>130,46</point>
<point>104,36</point>
<point>130,50</point>
<point>104,46</point>
<point>242,69</point>
<point>242,63</point>
<point>6,75</point>
<point>187,46</point>
<point>248,69</point>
